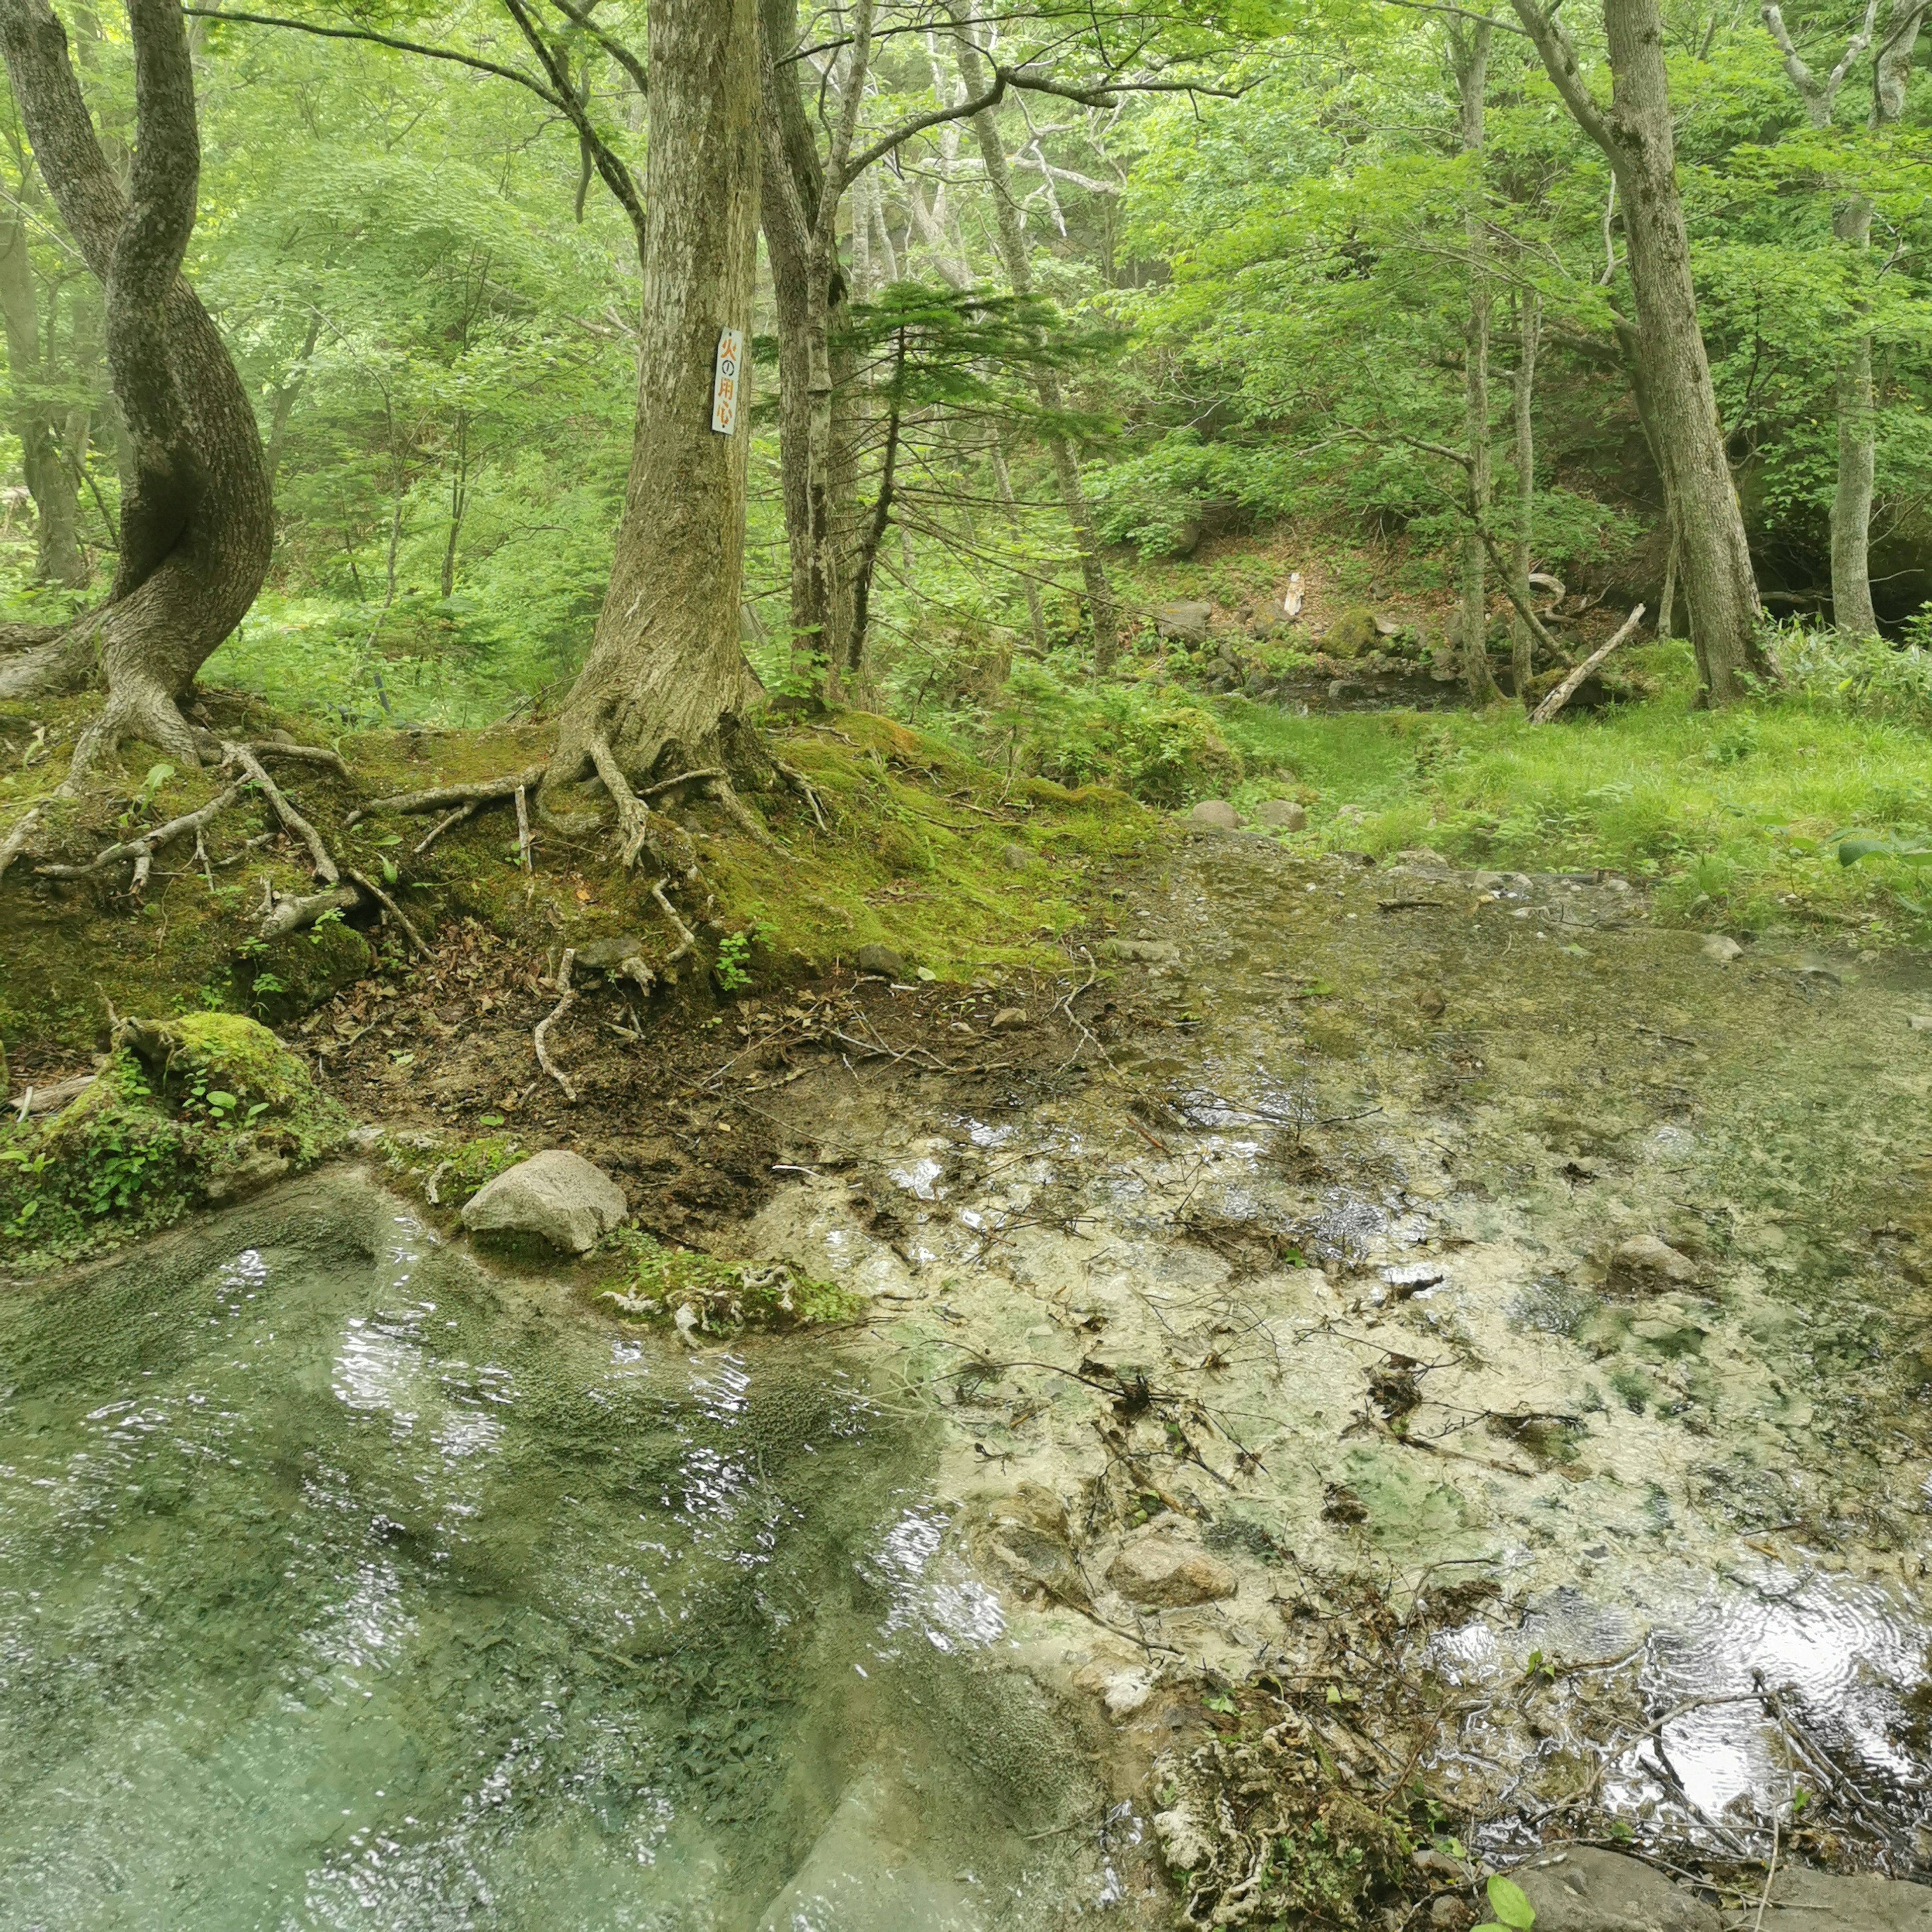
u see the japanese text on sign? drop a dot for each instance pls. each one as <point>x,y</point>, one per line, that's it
<point>726,385</point>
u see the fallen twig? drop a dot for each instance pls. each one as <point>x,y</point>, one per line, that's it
<point>1562,695</point>
<point>562,1007</point>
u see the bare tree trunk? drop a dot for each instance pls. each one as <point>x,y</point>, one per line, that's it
<point>197,522</point>
<point>665,672</point>
<point>58,557</point>
<point>1636,135</point>
<point>282,406</point>
<point>1522,655</point>
<point>1666,604</point>
<point>1101,610</point>
<point>810,296</point>
<point>459,502</point>
<point>1036,616</point>
<point>1469,50</point>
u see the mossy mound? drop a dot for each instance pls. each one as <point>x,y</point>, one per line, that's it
<point>697,1293</point>
<point>199,1110</point>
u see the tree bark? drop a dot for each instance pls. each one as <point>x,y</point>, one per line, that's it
<point>1522,653</point>
<point>809,295</point>
<point>197,524</point>
<point>665,673</point>
<point>1101,610</point>
<point>1469,52</point>
<point>58,556</point>
<point>1636,136</point>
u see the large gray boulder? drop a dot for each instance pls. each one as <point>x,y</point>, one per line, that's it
<point>1187,621</point>
<point>558,1197</point>
<point>1284,812</point>
<point>1803,1901</point>
<point>1583,1890</point>
<point>1215,812</point>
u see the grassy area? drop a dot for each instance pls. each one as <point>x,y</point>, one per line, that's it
<point>1726,815</point>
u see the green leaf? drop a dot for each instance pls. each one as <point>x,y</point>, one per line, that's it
<point>219,1098</point>
<point>489,1119</point>
<point>1851,850</point>
<point>1508,1902</point>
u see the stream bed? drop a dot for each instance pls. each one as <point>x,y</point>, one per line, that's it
<point>1412,1276</point>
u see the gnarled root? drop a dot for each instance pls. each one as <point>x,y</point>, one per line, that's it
<point>16,840</point>
<point>798,783</point>
<point>639,829</point>
<point>483,792</point>
<point>142,848</point>
<point>687,939</point>
<point>326,867</point>
<point>562,1007</point>
<point>390,906</point>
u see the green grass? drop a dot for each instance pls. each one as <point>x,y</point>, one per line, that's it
<point>1726,815</point>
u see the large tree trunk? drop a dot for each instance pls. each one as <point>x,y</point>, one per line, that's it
<point>59,559</point>
<point>196,523</point>
<point>1102,611</point>
<point>665,671</point>
<point>1469,51</point>
<point>1636,136</point>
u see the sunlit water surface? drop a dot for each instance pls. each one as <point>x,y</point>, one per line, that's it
<point>342,1586</point>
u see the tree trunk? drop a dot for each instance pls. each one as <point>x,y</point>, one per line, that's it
<point>197,523</point>
<point>1003,478</point>
<point>1522,655</point>
<point>1101,610</point>
<point>665,672</point>
<point>283,407</point>
<point>809,295</point>
<point>459,503</point>
<point>1469,48</point>
<point>1636,136</point>
<point>58,557</point>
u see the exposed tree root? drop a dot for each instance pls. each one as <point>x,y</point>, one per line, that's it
<point>324,866</point>
<point>443,825</point>
<point>141,849</point>
<point>639,829</point>
<point>15,841</point>
<point>305,754</point>
<point>798,783</point>
<point>524,828</point>
<point>438,797</point>
<point>544,1025</point>
<point>390,906</point>
<point>291,915</point>
<point>687,939</point>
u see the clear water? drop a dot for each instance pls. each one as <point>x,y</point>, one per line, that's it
<point>341,1584</point>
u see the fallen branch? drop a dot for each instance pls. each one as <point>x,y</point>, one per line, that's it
<point>1562,695</point>
<point>394,911</point>
<point>562,1007</point>
<point>324,866</point>
<point>523,827</point>
<point>142,847</point>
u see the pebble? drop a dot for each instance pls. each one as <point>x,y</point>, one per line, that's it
<point>1721,947</point>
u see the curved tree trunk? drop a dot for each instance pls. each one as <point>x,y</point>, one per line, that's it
<point>196,523</point>
<point>1635,133</point>
<point>665,669</point>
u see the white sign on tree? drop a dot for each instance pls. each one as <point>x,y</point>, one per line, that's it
<point>728,385</point>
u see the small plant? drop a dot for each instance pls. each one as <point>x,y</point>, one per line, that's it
<point>1513,1912</point>
<point>734,958</point>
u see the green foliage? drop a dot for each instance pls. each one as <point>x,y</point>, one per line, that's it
<point>1513,1912</point>
<point>184,1112</point>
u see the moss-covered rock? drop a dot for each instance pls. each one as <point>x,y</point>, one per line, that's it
<point>1352,634</point>
<point>650,1282</point>
<point>201,1109</point>
<point>294,975</point>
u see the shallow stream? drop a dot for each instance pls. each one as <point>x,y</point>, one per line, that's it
<point>343,1583</point>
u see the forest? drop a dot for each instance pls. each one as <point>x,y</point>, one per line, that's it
<point>963,964</point>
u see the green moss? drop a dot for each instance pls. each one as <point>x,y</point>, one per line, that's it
<point>456,1169</point>
<point>695,1291</point>
<point>196,1110</point>
<point>294,975</point>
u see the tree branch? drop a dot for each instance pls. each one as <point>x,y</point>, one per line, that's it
<point>450,54</point>
<point>611,45</point>
<point>1559,60</point>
